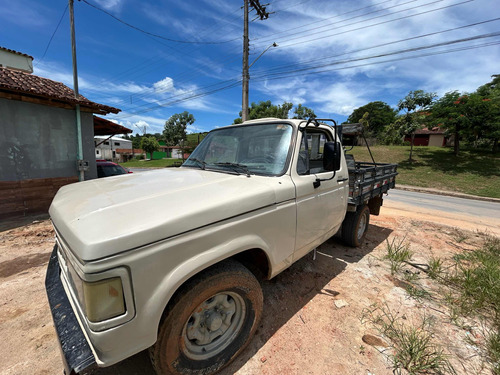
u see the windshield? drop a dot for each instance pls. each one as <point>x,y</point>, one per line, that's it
<point>254,149</point>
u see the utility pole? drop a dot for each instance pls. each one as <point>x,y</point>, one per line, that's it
<point>261,11</point>
<point>80,162</point>
<point>246,76</point>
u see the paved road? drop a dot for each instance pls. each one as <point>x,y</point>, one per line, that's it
<point>445,203</point>
<point>460,212</point>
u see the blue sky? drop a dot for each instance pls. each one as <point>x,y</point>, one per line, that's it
<point>332,56</point>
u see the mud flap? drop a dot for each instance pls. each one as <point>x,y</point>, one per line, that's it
<point>76,352</point>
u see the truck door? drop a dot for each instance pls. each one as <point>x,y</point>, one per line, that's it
<point>320,210</point>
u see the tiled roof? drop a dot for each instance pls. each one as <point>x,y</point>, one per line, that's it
<point>25,83</point>
<point>106,127</point>
<point>435,130</point>
<point>17,53</point>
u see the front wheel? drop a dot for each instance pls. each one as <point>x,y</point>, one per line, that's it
<point>355,226</point>
<point>212,318</point>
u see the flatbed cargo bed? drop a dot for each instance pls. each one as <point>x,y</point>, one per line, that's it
<point>368,180</point>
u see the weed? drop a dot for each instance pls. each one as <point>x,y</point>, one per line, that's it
<point>435,267</point>
<point>478,279</point>
<point>417,292</point>
<point>414,350</point>
<point>493,348</point>
<point>477,282</point>
<point>459,235</point>
<point>410,276</point>
<point>417,354</point>
<point>398,252</point>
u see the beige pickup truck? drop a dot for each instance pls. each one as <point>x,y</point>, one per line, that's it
<point>171,259</point>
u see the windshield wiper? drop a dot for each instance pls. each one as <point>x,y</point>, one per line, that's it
<point>236,167</point>
<point>201,163</point>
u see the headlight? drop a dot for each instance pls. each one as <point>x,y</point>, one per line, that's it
<point>99,300</point>
<point>103,299</point>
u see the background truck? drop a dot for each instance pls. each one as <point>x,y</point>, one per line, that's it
<point>171,259</point>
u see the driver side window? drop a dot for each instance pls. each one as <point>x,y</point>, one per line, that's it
<point>311,160</point>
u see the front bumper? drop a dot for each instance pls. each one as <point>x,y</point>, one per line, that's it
<point>76,352</point>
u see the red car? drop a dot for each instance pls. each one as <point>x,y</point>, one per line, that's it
<point>107,168</point>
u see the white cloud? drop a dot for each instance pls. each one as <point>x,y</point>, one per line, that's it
<point>110,4</point>
<point>165,85</point>
<point>142,124</point>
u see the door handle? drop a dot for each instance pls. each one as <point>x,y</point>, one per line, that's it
<point>342,180</point>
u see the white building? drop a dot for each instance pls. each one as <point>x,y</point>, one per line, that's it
<point>114,148</point>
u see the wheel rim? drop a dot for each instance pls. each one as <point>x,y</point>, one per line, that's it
<point>213,325</point>
<point>361,226</point>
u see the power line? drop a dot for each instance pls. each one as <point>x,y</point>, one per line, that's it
<point>53,34</point>
<point>381,45</point>
<point>414,49</point>
<point>273,35</point>
<point>372,25</point>
<point>384,61</point>
<point>147,93</point>
<point>153,34</point>
<point>152,65</point>
<point>298,72</point>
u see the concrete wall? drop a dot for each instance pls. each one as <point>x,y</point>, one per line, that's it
<point>436,140</point>
<point>106,148</point>
<point>38,141</point>
<point>16,61</point>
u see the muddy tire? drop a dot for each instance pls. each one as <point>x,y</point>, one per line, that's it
<point>355,226</point>
<point>209,322</point>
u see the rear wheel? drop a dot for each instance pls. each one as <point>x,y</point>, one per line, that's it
<point>355,226</point>
<point>211,320</point>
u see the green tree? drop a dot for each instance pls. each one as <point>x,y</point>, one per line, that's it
<point>303,112</point>
<point>490,98</point>
<point>266,109</point>
<point>393,133</point>
<point>447,112</point>
<point>175,128</point>
<point>380,114</point>
<point>474,117</point>
<point>150,144</point>
<point>414,105</point>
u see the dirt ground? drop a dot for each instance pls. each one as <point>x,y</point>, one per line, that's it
<point>312,321</point>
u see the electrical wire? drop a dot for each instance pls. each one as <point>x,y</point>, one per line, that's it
<point>383,62</point>
<point>299,72</point>
<point>304,62</point>
<point>146,91</point>
<point>153,34</point>
<point>52,37</point>
<point>296,72</point>
<point>273,35</point>
<point>283,45</point>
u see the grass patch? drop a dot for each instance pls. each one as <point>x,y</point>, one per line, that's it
<point>435,268</point>
<point>159,163</point>
<point>475,172</point>
<point>413,346</point>
<point>459,235</point>
<point>477,282</point>
<point>477,276</point>
<point>398,252</point>
<point>417,292</point>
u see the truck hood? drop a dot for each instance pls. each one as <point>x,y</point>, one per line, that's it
<point>99,218</point>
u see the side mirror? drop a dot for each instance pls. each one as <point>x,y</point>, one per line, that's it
<point>332,155</point>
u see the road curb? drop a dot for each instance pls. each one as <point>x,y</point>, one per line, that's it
<point>447,193</point>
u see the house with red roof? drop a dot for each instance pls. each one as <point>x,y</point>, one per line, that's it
<point>429,137</point>
<point>39,138</point>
